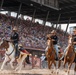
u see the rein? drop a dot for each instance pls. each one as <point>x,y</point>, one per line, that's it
<point>10,53</point>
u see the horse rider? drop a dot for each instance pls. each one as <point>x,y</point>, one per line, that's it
<point>72,40</point>
<point>15,39</point>
<point>54,38</point>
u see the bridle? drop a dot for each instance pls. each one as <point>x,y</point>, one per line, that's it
<point>10,53</point>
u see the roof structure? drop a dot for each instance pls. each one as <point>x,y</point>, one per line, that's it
<point>65,10</point>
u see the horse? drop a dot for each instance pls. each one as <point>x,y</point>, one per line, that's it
<point>59,56</point>
<point>10,55</point>
<point>50,54</point>
<point>69,57</point>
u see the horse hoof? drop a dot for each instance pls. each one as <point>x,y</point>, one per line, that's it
<point>65,70</point>
<point>52,72</point>
<point>57,73</point>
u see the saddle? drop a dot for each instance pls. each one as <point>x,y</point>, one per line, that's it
<point>21,51</point>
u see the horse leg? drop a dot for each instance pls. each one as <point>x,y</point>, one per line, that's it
<point>69,66</point>
<point>20,63</point>
<point>75,69</point>
<point>64,63</point>
<point>55,67</point>
<point>11,63</point>
<point>5,60</point>
<point>54,64</point>
<point>48,64</point>
<point>59,64</point>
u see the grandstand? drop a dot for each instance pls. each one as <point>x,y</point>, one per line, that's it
<point>33,35</point>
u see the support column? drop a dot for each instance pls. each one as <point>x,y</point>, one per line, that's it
<point>59,26</point>
<point>18,13</point>
<point>52,24</point>
<point>58,20</point>
<point>46,18</point>
<point>33,16</point>
<point>1,4</point>
<point>9,13</point>
<point>67,25</point>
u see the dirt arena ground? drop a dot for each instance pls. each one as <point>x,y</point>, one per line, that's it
<point>36,71</point>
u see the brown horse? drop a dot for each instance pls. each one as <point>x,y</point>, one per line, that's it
<point>50,54</point>
<point>69,57</point>
<point>59,56</point>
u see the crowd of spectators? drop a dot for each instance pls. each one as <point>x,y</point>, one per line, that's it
<point>31,34</point>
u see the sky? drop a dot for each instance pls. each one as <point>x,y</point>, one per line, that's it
<point>63,26</point>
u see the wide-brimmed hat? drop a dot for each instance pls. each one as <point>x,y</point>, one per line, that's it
<point>35,55</point>
<point>20,44</point>
<point>74,30</point>
<point>43,54</point>
<point>15,28</point>
<point>48,35</point>
<point>53,31</point>
<point>30,54</point>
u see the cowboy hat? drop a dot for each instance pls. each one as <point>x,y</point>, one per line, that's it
<point>20,44</point>
<point>35,55</point>
<point>53,31</point>
<point>48,35</point>
<point>74,30</point>
<point>30,54</point>
<point>14,28</point>
<point>43,54</point>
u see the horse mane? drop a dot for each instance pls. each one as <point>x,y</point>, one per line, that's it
<point>51,46</point>
<point>9,42</point>
<point>70,48</point>
<point>51,43</point>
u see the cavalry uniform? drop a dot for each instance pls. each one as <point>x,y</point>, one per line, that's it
<point>15,39</point>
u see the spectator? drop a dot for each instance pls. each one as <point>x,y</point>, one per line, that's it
<point>30,58</point>
<point>32,37</point>
<point>43,62</point>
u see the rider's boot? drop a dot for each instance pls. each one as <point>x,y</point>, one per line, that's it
<point>16,55</point>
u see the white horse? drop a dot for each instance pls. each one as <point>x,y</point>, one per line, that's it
<point>10,55</point>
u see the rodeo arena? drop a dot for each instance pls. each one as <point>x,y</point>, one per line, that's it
<point>37,37</point>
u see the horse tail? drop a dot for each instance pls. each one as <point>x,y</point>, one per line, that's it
<point>27,59</point>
